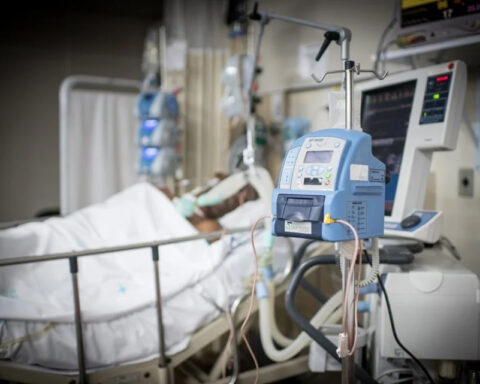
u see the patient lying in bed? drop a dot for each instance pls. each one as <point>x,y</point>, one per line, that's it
<point>117,290</point>
<point>207,221</point>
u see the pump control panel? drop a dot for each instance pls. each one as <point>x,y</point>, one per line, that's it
<point>331,172</point>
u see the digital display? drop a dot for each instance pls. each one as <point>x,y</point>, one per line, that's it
<point>385,116</point>
<point>318,157</point>
<point>436,99</point>
<point>417,12</point>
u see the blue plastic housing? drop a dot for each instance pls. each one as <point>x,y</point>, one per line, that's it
<point>356,193</point>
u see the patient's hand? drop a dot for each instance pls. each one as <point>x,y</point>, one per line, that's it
<point>204,225</point>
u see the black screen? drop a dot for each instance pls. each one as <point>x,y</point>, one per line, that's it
<point>385,116</point>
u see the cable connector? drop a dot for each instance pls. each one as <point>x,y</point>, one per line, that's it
<point>342,346</point>
<point>328,219</point>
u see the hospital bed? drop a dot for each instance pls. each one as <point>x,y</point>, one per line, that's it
<point>42,346</point>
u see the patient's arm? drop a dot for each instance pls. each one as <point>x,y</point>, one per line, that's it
<point>209,223</point>
<point>245,194</point>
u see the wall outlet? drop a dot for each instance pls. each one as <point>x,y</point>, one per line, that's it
<point>465,182</point>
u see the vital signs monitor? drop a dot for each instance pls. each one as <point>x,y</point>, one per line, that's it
<point>410,115</point>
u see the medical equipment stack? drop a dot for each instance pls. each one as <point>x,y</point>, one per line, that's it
<point>157,111</point>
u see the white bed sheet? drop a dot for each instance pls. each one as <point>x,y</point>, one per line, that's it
<point>117,290</point>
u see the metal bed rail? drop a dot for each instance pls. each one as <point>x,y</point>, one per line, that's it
<point>73,267</point>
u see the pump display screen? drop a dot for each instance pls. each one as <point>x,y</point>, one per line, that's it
<point>318,157</point>
<point>385,115</point>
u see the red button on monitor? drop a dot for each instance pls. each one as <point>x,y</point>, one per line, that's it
<point>439,79</point>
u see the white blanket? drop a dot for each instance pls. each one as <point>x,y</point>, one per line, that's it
<point>117,290</point>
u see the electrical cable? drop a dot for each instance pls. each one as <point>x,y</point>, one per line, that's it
<point>404,380</point>
<point>350,281</point>
<point>383,37</point>
<point>394,331</point>
<point>301,252</point>
<point>252,297</point>
<point>393,370</point>
<point>446,243</point>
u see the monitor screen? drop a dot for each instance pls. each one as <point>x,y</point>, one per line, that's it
<point>385,116</point>
<point>420,12</point>
<point>318,157</point>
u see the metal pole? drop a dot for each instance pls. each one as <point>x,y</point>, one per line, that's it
<point>162,360</point>
<point>349,68</point>
<point>236,360</point>
<point>345,33</point>
<point>249,153</point>
<point>348,362</point>
<point>78,321</point>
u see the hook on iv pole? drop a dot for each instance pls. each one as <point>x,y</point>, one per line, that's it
<point>356,69</point>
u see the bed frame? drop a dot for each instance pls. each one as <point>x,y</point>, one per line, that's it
<point>159,370</point>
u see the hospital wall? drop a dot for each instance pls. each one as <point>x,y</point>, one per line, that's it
<point>367,19</point>
<point>37,54</point>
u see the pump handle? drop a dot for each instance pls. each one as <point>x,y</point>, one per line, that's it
<point>255,15</point>
<point>329,37</point>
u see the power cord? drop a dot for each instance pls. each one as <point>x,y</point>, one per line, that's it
<point>394,331</point>
<point>446,243</point>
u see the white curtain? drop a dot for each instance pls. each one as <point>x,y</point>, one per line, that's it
<point>101,150</point>
<point>205,136</point>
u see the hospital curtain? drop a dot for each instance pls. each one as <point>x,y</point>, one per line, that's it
<point>205,141</point>
<point>205,135</point>
<point>101,149</point>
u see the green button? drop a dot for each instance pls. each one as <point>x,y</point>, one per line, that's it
<point>436,96</point>
<point>328,174</point>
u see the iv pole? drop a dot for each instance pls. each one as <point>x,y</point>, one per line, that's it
<point>342,37</point>
<point>340,34</point>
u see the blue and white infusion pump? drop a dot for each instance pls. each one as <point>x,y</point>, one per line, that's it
<point>330,172</point>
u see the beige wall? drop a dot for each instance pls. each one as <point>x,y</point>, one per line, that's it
<point>279,57</point>
<point>36,55</point>
<point>366,19</point>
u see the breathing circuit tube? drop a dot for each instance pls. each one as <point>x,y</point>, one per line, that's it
<point>310,328</point>
<point>277,335</point>
<point>302,340</point>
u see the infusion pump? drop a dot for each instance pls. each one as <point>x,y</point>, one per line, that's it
<point>330,172</point>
